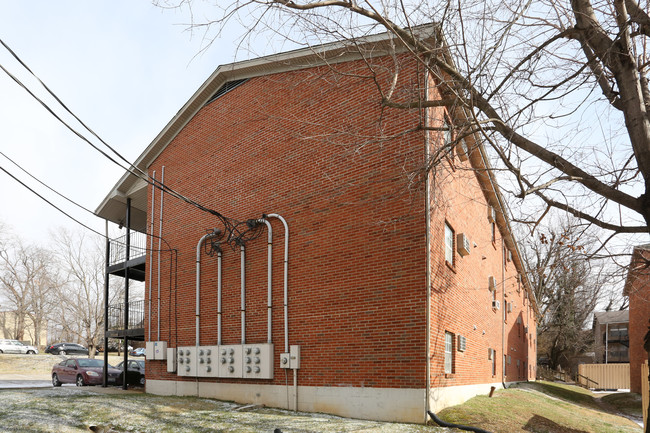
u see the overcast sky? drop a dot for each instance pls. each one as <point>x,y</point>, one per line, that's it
<point>124,67</point>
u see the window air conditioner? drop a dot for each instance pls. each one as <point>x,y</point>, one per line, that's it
<point>462,343</point>
<point>462,244</point>
<point>496,305</point>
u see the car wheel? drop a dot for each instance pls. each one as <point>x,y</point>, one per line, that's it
<point>31,352</point>
<point>80,381</point>
<point>62,352</point>
<point>142,380</point>
<point>55,380</point>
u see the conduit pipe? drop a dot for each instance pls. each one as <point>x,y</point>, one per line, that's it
<point>153,209</point>
<point>160,228</point>
<point>286,277</point>
<point>215,233</point>
<point>243,293</point>
<point>269,280</point>
<point>219,279</point>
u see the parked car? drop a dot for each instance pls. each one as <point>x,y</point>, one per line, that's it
<point>82,371</point>
<point>140,351</point>
<point>15,346</point>
<point>134,374</point>
<point>66,349</point>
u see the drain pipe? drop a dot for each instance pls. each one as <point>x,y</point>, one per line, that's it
<point>153,209</point>
<point>504,306</point>
<point>216,232</point>
<point>160,228</point>
<point>269,277</point>
<point>427,334</point>
<point>243,293</point>
<point>219,280</point>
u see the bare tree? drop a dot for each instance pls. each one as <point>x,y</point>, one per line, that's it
<point>80,311</point>
<point>567,287</point>
<point>28,279</point>
<point>557,89</point>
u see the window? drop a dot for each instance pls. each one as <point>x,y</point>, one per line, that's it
<point>449,245</point>
<point>449,353</point>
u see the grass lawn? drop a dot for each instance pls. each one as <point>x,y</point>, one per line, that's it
<point>540,407</point>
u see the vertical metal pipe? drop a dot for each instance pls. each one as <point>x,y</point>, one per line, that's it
<point>150,254</point>
<point>126,289</point>
<point>160,233</point>
<point>106,297</point>
<point>427,198</point>
<point>243,293</point>
<point>269,279</point>
<point>219,285</point>
<point>286,279</point>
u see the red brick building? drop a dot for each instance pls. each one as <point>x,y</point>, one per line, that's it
<point>637,289</point>
<point>402,288</point>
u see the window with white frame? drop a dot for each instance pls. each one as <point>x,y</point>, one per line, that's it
<point>449,353</point>
<point>449,244</point>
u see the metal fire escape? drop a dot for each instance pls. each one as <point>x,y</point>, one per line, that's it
<point>125,258</point>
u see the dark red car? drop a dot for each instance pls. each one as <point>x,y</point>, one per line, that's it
<point>82,371</point>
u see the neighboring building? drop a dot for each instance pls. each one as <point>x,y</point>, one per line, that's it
<point>10,329</point>
<point>637,289</point>
<point>611,337</point>
<point>399,291</point>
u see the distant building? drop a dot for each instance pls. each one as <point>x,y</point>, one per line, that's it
<point>10,328</point>
<point>611,337</point>
<point>637,289</point>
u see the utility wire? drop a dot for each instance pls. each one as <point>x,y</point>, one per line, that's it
<point>235,236</point>
<point>71,201</point>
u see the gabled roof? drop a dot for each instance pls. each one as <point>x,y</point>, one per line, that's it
<point>603,317</point>
<point>113,207</point>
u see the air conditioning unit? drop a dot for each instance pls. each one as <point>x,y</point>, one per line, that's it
<point>492,215</point>
<point>492,283</point>
<point>496,305</point>
<point>462,343</point>
<point>462,244</point>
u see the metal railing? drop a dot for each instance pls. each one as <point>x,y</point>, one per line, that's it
<point>137,248</point>
<point>136,315</point>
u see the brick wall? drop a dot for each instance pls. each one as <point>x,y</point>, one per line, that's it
<point>316,147</point>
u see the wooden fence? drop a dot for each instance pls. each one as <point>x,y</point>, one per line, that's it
<point>644,393</point>
<point>604,376</point>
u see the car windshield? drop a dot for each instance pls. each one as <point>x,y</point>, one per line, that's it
<point>90,363</point>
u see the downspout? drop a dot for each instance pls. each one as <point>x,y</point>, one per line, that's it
<point>606,341</point>
<point>243,293</point>
<point>153,209</point>
<point>127,256</point>
<point>160,228</point>
<point>504,307</point>
<point>427,343</point>
<point>269,303</point>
